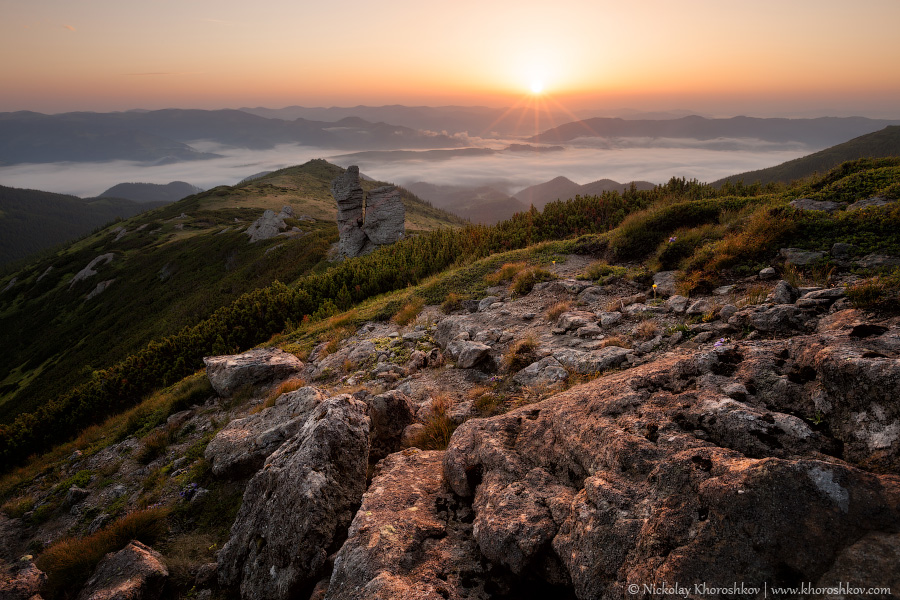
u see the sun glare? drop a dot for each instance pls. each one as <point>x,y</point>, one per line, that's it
<point>537,86</point>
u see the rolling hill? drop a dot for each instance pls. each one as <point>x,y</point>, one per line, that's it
<point>151,192</point>
<point>32,220</point>
<point>151,275</point>
<point>873,145</point>
<point>483,204</point>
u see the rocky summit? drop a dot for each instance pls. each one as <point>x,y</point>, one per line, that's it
<point>366,223</point>
<point>607,442</point>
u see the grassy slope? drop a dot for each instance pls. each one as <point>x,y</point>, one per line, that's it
<point>873,145</point>
<point>169,272</point>
<point>31,220</point>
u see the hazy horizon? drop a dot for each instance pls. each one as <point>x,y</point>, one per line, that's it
<point>767,58</point>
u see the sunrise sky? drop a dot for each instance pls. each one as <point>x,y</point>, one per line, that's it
<point>722,57</point>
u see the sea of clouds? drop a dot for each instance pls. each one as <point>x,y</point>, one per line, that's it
<point>655,161</point>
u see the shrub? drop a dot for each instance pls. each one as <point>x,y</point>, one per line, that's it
<point>524,281</point>
<point>505,273</point>
<point>17,507</point>
<point>70,561</point>
<point>153,446</point>
<point>602,272</point>
<point>487,404</point>
<point>409,312</point>
<point>616,340</point>
<point>520,354</point>
<point>876,293</point>
<point>646,330</point>
<point>557,309</point>
<point>438,428</point>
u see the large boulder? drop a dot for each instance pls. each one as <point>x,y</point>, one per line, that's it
<point>389,414</point>
<point>818,205</point>
<point>21,580</point>
<point>349,195</point>
<point>544,373</point>
<point>385,217</point>
<point>261,366</point>
<point>297,507</point>
<point>242,446</point>
<point>405,541</point>
<point>137,572</point>
<point>654,475</point>
<point>269,225</point>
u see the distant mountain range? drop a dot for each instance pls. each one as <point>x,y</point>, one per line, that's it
<point>151,192</point>
<point>433,155</point>
<point>873,145</point>
<point>824,131</point>
<point>484,204</point>
<point>561,188</point>
<point>31,220</point>
<point>164,136</point>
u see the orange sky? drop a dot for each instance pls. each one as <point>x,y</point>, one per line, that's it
<point>721,57</point>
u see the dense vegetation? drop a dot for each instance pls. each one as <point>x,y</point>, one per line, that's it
<point>31,221</point>
<point>716,233</point>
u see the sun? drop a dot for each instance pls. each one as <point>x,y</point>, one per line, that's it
<point>537,86</point>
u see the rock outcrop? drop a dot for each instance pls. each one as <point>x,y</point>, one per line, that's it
<point>297,508</point>
<point>242,447</point>
<point>137,572</point>
<point>271,225</point>
<point>364,224</point>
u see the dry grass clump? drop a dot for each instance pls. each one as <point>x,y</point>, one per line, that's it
<point>505,273</point>
<point>69,562</point>
<point>438,428</point>
<point>15,508</point>
<point>524,281</point>
<point>154,445</point>
<point>452,302</point>
<point>557,309</point>
<point>755,295</point>
<point>487,404</point>
<point>409,312</point>
<point>617,340</point>
<point>520,354</point>
<point>646,330</point>
<point>881,292</point>
<point>286,387</point>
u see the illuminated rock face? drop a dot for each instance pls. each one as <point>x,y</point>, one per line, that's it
<point>366,223</point>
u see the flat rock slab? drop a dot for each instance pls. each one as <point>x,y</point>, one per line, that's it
<point>261,366</point>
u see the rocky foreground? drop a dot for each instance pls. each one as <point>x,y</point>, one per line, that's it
<point>743,441</point>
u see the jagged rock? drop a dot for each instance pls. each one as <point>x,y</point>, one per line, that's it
<point>269,225</point>
<point>590,295</point>
<point>665,282</point>
<point>612,482</point>
<point>798,257</point>
<point>608,319</point>
<point>782,318</point>
<point>784,293</point>
<point>820,205</point>
<point>594,361</point>
<point>727,311</point>
<point>677,304</point>
<point>486,302</point>
<point>389,415</point>
<point>876,201</point>
<point>590,331</point>
<point>75,495</point>
<point>542,374</point>
<point>385,216</point>
<point>21,580</point>
<point>768,274</point>
<point>242,447</point>
<point>298,505</point>
<point>406,541</point>
<point>723,290</point>
<point>830,294</point>
<point>362,352</point>
<point>101,287</point>
<point>467,354</point>
<point>699,307</point>
<point>869,563</point>
<point>89,271</point>
<point>874,261</point>
<point>842,251</point>
<point>137,572</point>
<point>575,319</point>
<point>383,221</point>
<point>207,575</point>
<point>255,367</point>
